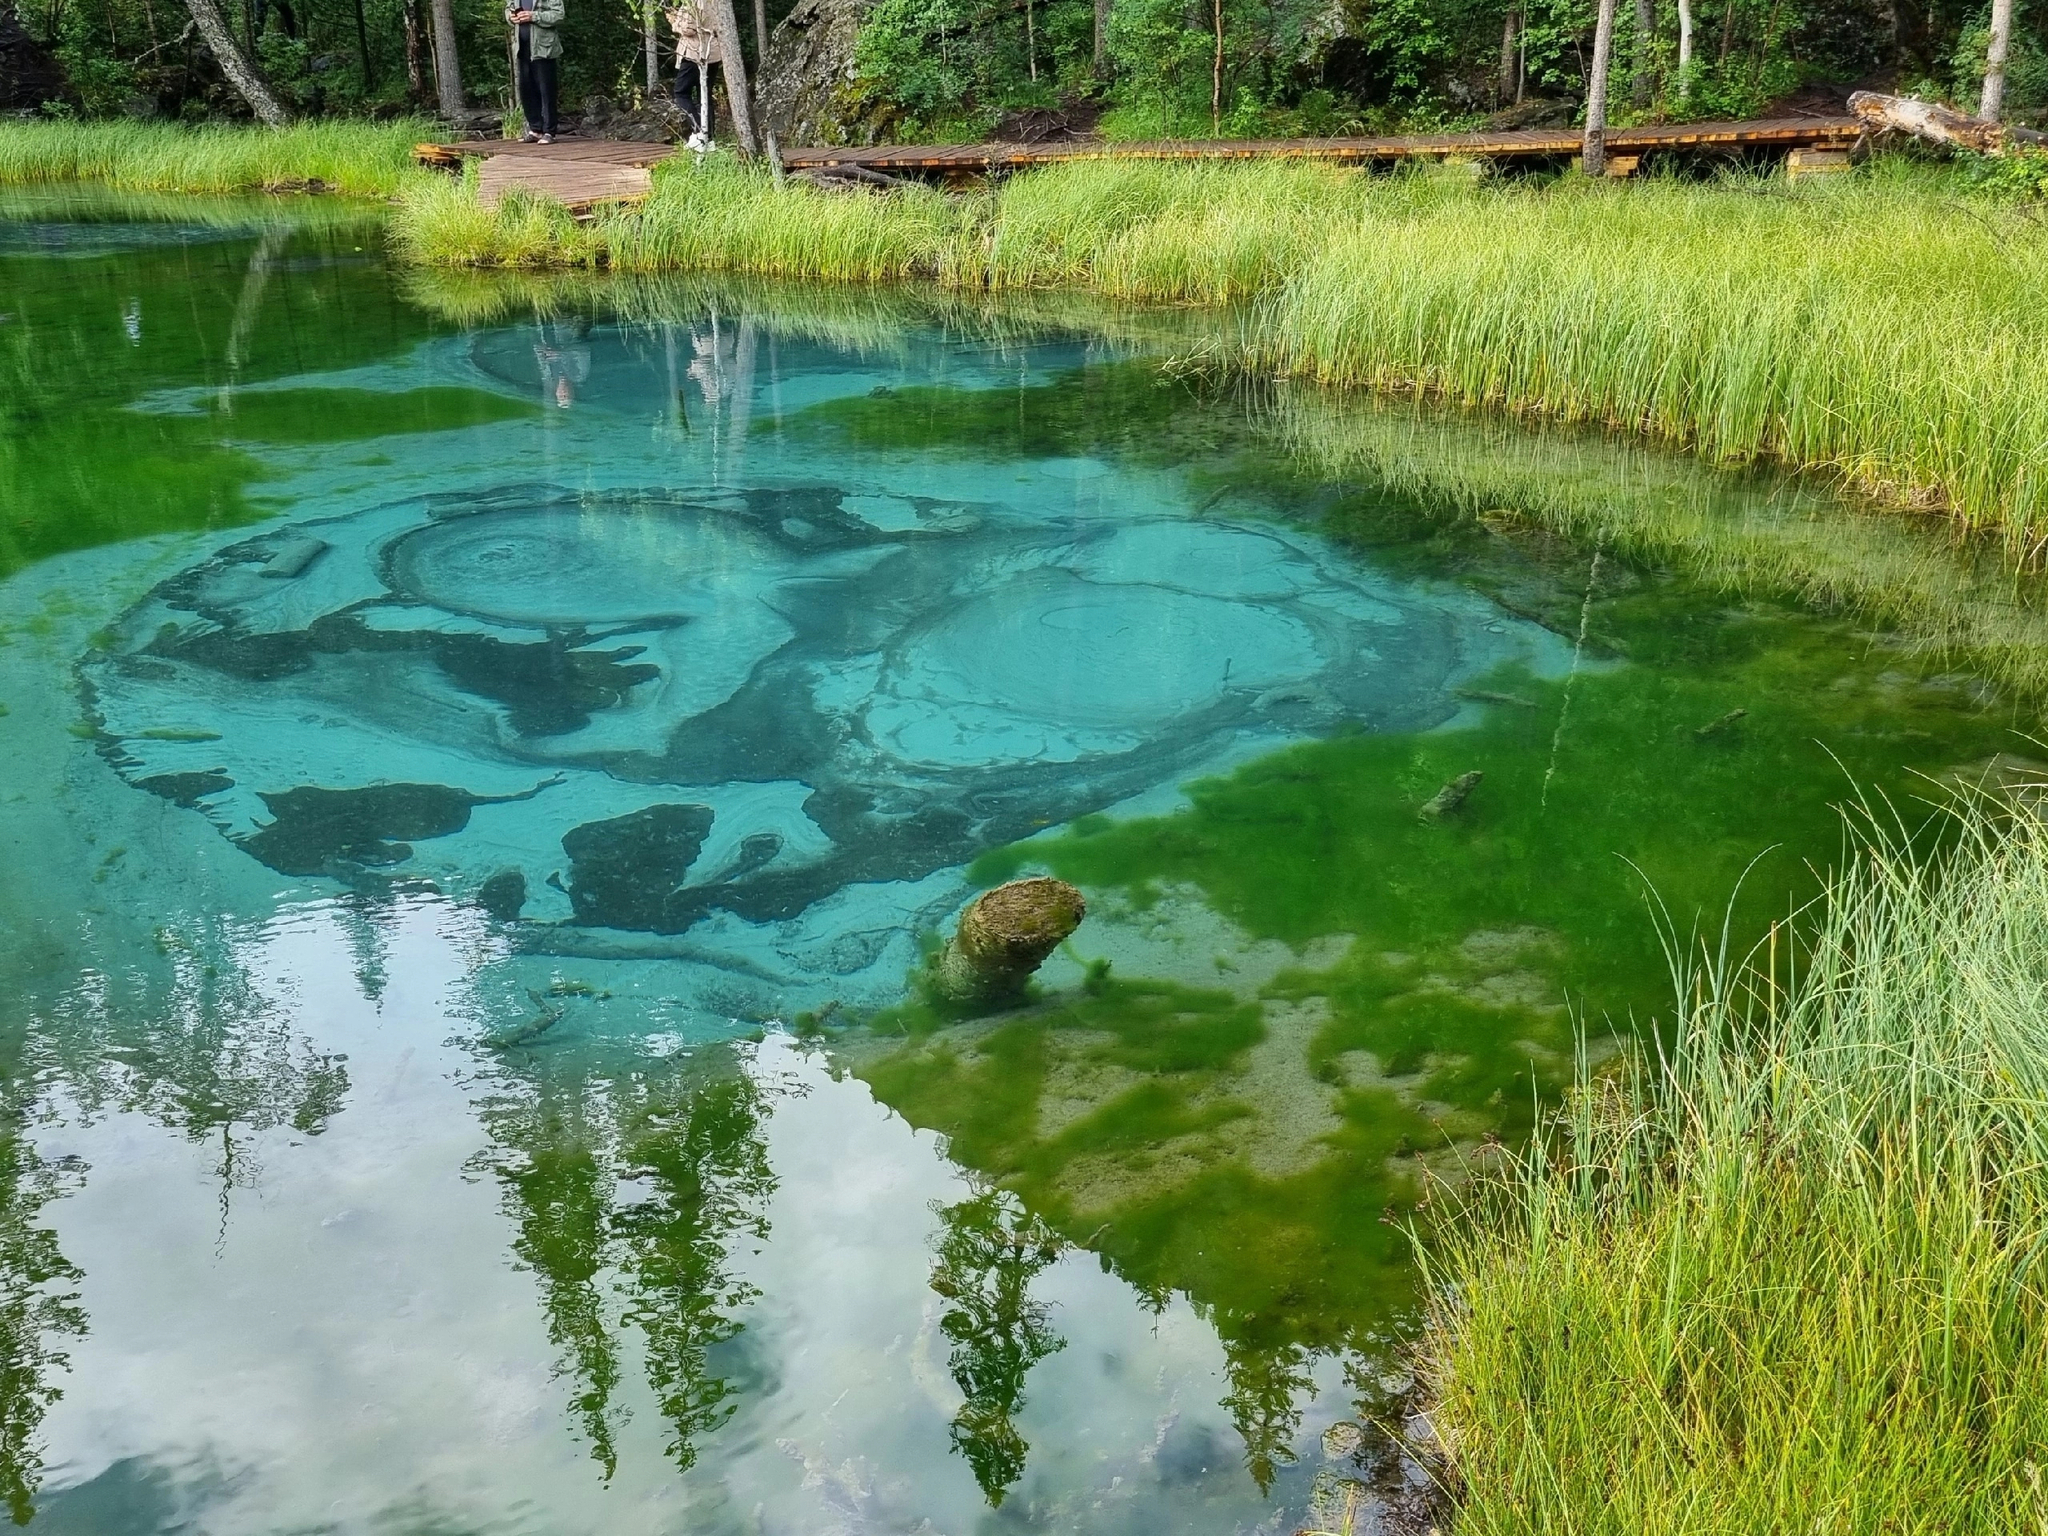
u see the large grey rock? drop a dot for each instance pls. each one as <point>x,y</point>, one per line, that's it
<point>810,89</point>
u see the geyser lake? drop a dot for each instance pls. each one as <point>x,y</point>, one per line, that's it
<point>485,762</point>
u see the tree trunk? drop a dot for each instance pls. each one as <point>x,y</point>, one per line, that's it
<point>1595,161</point>
<point>233,62</point>
<point>1505,92</point>
<point>1005,935</point>
<point>651,19</point>
<point>1991,105</point>
<point>1643,84</point>
<point>363,48</point>
<point>1938,124</point>
<point>1101,39</point>
<point>727,24</point>
<point>415,76</point>
<point>447,66</point>
<point>1216,75</point>
<point>760,37</point>
<point>1685,50</point>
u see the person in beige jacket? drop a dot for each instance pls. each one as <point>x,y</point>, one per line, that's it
<point>696,51</point>
<point>539,53</point>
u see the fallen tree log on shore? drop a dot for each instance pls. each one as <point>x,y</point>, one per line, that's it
<point>1937,124</point>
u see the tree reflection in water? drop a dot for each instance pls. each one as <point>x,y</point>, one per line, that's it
<point>630,1190</point>
<point>188,1038</point>
<point>990,1251</point>
<point>38,1305</point>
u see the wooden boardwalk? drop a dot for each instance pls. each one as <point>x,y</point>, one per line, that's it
<point>585,172</point>
<point>579,172</point>
<point>1770,134</point>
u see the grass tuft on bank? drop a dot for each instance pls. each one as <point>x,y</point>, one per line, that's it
<point>1789,1276</point>
<point>1886,327</point>
<point>353,158</point>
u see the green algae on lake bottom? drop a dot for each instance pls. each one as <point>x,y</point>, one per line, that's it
<point>1436,972</point>
<point>111,325</point>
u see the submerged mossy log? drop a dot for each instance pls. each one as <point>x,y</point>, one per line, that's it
<point>1005,935</point>
<point>1722,726</point>
<point>1445,802</point>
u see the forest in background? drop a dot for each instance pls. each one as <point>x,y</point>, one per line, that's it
<point>962,69</point>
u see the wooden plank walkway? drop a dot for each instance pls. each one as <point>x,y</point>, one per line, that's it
<point>579,172</point>
<point>1769,133</point>
<point>585,172</point>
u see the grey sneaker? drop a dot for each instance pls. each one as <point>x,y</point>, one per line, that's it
<point>529,137</point>
<point>546,138</point>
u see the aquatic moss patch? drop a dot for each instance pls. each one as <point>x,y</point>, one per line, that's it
<point>79,467</point>
<point>1131,408</point>
<point>1116,1116</point>
<point>1699,748</point>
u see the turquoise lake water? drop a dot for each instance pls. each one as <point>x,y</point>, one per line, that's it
<point>485,767</point>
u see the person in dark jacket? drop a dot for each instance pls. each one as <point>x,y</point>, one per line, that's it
<point>539,53</point>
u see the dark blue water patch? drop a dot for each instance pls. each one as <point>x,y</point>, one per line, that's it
<point>666,713</point>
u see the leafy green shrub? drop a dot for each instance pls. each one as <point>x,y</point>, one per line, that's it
<point>2018,176</point>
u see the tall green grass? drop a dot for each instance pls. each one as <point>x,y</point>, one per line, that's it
<point>355,158</point>
<point>1138,230</point>
<point>1879,330</point>
<point>1788,1276</point>
<point>1887,327</point>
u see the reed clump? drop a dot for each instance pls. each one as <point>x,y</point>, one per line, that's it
<point>1787,1275</point>
<point>1888,331</point>
<point>352,158</point>
<point>1880,330</point>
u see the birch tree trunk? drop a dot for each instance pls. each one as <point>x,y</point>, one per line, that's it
<point>1102,39</point>
<point>761,35</point>
<point>1595,160</point>
<point>727,24</point>
<point>1992,103</point>
<point>447,67</point>
<point>650,18</point>
<point>220,42</point>
<point>1685,50</point>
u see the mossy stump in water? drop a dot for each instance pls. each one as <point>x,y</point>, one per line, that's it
<point>1005,935</point>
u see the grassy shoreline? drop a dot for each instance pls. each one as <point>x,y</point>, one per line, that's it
<point>1786,1277</point>
<point>1886,329</point>
<point>355,159</point>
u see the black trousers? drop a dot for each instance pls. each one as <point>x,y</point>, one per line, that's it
<point>539,81</point>
<point>689,90</point>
